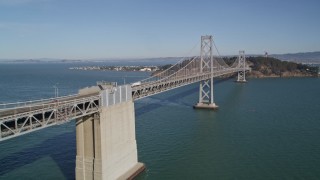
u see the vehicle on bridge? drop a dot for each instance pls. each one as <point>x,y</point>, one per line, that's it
<point>136,84</point>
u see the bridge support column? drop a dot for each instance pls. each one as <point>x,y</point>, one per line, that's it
<point>106,143</point>
<point>206,100</point>
<point>242,67</point>
<point>85,147</point>
<point>97,162</point>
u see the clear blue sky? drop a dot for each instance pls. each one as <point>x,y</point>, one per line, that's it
<point>75,29</point>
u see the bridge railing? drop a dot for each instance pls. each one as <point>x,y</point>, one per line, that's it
<point>8,106</point>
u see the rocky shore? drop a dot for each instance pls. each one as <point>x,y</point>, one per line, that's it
<point>258,74</point>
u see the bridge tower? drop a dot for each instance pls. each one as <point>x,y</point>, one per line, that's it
<point>242,67</point>
<point>206,98</point>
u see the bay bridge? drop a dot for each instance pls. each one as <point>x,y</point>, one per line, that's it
<point>104,114</point>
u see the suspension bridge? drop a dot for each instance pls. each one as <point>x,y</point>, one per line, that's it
<point>104,114</point>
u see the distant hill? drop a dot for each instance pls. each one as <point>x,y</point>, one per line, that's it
<point>272,67</point>
<point>307,57</point>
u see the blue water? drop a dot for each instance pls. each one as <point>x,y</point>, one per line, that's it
<point>264,129</point>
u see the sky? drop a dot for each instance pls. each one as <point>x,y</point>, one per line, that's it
<point>79,29</point>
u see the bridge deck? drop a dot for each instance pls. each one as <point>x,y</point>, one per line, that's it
<point>42,105</point>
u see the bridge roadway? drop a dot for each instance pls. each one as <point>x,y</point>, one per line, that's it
<point>21,120</point>
<point>156,87</point>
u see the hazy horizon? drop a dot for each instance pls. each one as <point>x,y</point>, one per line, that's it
<point>133,58</point>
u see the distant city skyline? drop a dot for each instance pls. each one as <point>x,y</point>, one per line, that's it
<point>70,29</point>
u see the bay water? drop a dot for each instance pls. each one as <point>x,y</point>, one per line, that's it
<point>264,129</point>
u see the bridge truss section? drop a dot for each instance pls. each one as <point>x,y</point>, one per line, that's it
<point>19,121</point>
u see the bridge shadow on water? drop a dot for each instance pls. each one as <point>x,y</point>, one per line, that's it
<point>60,148</point>
<point>148,107</point>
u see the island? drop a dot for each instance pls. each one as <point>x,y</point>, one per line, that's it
<point>271,67</point>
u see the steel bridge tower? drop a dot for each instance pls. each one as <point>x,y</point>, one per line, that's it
<point>242,67</point>
<point>206,98</point>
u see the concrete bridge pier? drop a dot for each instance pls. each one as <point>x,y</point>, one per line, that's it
<point>106,143</point>
<point>85,139</point>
